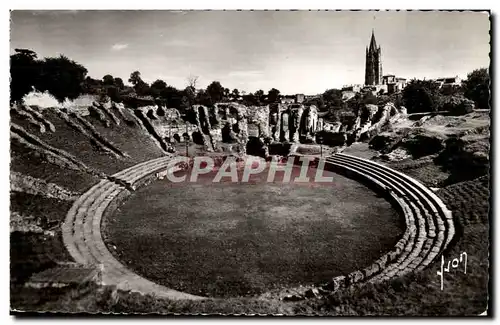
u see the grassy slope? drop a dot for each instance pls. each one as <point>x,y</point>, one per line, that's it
<point>28,162</point>
<point>34,252</point>
<point>422,169</point>
<point>142,147</point>
<point>79,145</point>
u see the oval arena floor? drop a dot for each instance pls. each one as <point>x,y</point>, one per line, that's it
<point>243,239</point>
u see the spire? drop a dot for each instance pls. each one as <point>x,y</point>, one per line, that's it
<point>373,42</point>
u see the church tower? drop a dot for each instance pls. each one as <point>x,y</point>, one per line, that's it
<point>373,70</point>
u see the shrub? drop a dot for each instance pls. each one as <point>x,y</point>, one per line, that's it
<point>457,105</point>
<point>421,96</point>
<point>477,87</point>
<point>62,78</point>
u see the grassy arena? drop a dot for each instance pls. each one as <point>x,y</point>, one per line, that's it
<point>244,239</point>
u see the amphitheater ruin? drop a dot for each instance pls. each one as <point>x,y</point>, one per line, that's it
<point>114,151</point>
<point>81,166</point>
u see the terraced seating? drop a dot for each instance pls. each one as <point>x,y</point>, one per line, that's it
<point>82,231</point>
<point>429,225</point>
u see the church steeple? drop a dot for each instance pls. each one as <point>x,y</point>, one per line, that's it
<point>373,71</point>
<point>373,42</point>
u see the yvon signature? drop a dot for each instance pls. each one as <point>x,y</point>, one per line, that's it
<point>455,263</point>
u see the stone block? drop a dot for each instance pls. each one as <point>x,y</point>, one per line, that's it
<point>371,270</point>
<point>355,277</point>
<point>312,293</point>
<point>393,256</point>
<point>382,261</point>
<point>336,283</point>
<point>293,298</point>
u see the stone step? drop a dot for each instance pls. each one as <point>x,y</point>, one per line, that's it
<point>409,235</point>
<point>416,198</point>
<point>438,203</point>
<point>409,251</point>
<point>137,173</point>
<point>429,204</point>
<point>91,218</point>
<point>69,225</point>
<point>430,197</point>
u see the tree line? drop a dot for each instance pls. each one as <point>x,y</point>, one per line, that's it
<point>64,79</point>
<point>61,77</point>
<point>428,95</point>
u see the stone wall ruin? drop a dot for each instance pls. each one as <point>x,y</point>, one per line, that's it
<point>231,126</point>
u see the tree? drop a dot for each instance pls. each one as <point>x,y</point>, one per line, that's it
<point>421,96</point>
<point>203,98</point>
<point>369,98</point>
<point>235,93</point>
<point>135,78</point>
<point>158,88</point>
<point>192,81</point>
<point>108,80</point>
<point>477,87</point>
<point>250,100</point>
<point>92,86</point>
<point>113,93</point>
<point>215,91</point>
<point>119,83</point>
<point>62,78</point>
<point>188,97</point>
<point>227,92</point>
<point>318,101</point>
<point>273,96</point>
<point>142,89</point>
<point>333,99</point>
<point>24,73</point>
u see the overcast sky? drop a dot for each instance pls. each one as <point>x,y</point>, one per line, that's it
<point>294,51</point>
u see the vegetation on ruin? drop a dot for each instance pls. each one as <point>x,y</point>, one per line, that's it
<point>61,77</point>
<point>66,79</point>
<point>427,96</point>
